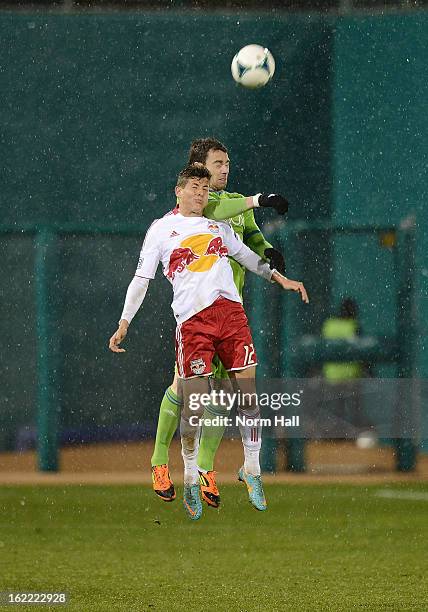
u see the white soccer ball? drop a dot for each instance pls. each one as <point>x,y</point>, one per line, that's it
<point>367,439</point>
<point>253,66</point>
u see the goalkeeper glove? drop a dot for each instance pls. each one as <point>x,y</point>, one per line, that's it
<point>272,200</point>
<point>276,260</point>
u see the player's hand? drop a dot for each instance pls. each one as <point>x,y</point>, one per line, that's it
<point>276,260</point>
<point>118,337</point>
<point>273,200</point>
<point>291,285</point>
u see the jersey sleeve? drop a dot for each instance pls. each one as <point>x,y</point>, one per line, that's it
<point>253,236</point>
<point>134,297</point>
<point>247,258</point>
<point>149,255</point>
<point>231,240</point>
<point>221,208</point>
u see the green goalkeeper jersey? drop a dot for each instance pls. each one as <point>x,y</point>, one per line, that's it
<point>231,207</point>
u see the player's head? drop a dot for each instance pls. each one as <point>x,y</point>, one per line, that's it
<point>192,189</point>
<point>213,154</point>
<point>348,309</point>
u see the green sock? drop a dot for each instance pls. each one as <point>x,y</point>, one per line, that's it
<point>169,415</point>
<point>209,442</point>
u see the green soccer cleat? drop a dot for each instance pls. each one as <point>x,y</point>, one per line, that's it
<point>255,489</point>
<point>192,502</point>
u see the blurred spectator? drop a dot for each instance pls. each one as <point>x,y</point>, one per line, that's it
<point>343,326</point>
<point>342,388</point>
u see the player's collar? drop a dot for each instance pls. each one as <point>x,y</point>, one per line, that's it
<point>180,216</point>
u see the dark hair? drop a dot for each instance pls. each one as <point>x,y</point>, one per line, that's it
<point>199,149</point>
<point>348,309</point>
<point>192,171</point>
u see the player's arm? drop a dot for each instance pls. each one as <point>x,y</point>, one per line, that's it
<point>137,289</point>
<point>220,208</point>
<point>247,258</point>
<point>135,295</point>
<point>290,285</point>
<point>254,239</point>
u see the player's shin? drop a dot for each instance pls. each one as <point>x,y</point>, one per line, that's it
<point>190,425</point>
<point>251,433</point>
<point>189,449</point>
<point>211,436</point>
<point>216,417</point>
<point>252,440</point>
<point>169,414</point>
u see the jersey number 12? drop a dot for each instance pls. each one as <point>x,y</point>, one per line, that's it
<point>249,354</point>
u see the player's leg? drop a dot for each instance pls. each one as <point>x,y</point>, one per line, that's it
<point>191,415</point>
<point>194,353</point>
<point>169,415</point>
<point>249,411</point>
<point>236,351</point>
<point>251,435</point>
<point>190,427</point>
<point>211,436</point>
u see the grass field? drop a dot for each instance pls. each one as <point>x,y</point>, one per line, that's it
<point>316,548</point>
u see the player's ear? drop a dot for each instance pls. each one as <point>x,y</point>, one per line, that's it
<point>177,191</point>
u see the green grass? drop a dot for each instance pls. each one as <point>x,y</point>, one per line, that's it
<point>120,548</point>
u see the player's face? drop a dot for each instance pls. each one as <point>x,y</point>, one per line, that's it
<point>218,164</point>
<point>193,197</point>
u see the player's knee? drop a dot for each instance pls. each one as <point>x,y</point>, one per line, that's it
<point>194,405</point>
<point>245,374</point>
<point>174,384</point>
<point>196,396</point>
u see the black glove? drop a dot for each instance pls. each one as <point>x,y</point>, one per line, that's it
<point>276,260</point>
<point>273,200</point>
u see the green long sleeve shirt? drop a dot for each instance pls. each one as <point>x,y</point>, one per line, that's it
<point>231,207</point>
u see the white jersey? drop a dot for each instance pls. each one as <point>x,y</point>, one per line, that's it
<point>194,254</point>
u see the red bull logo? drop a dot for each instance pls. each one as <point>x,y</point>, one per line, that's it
<point>197,254</point>
<point>216,247</point>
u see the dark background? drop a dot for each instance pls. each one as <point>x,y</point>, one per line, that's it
<point>98,112</point>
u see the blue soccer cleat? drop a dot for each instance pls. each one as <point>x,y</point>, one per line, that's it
<point>255,489</point>
<point>192,502</point>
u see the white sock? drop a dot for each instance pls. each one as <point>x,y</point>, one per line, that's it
<point>189,451</point>
<point>252,461</point>
<point>251,435</point>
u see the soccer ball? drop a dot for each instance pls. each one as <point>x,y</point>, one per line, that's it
<point>253,66</point>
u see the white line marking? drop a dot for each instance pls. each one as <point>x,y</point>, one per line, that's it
<point>409,495</point>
